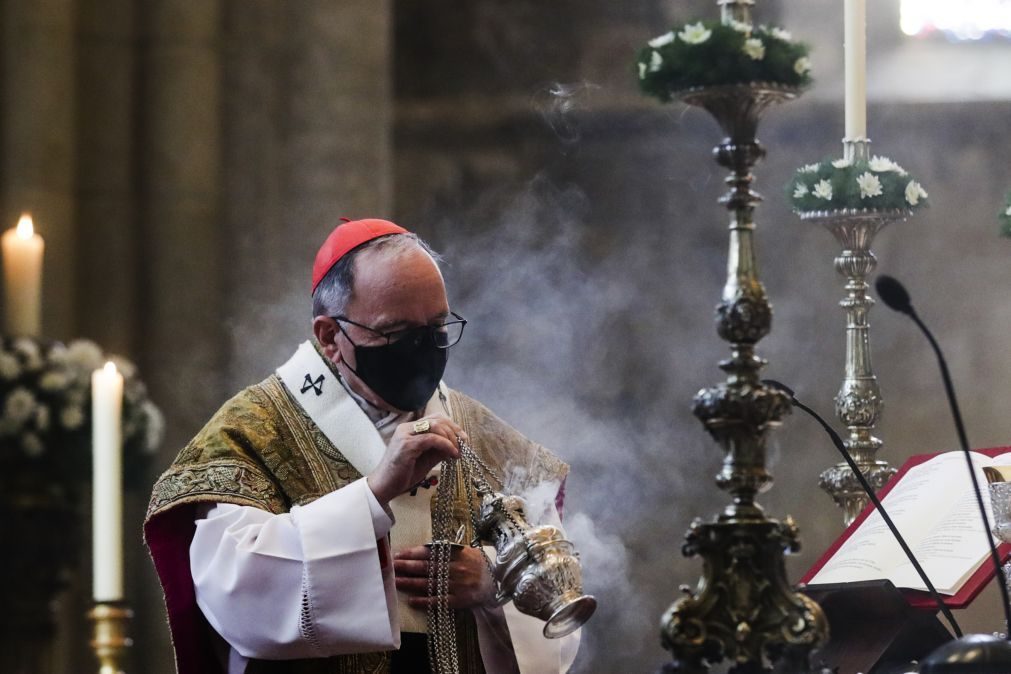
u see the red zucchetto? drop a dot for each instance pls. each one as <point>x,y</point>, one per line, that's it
<point>346,237</point>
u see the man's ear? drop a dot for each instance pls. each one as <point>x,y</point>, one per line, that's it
<point>326,331</point>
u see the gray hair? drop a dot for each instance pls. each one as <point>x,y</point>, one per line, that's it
<point>334,292</point>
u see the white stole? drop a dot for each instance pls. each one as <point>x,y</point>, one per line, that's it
<point>317,390</point>
<point>320,393</point>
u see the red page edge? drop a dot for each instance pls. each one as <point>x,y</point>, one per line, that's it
<point>916,598</point>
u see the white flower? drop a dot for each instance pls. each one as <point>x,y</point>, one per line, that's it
<point>26,346</point>
<point>799,191</point>
<point>741,26</point>
<point>915,192</point>
<point>42,418</point>
<point>802,66</point>
<point>869,184</point>
<point>882,164</point>
<point>695,33</point>
<point>662,40</point>
<point>642,70</point>
<point>53,380</point>
<point>823,190</point>
<point>58,354</point>
<point>29,351</point>
<point>72,417</point>
<point>10,368</point>
<point>85,354</point>
<point>32,445</point>
<point>754,48</point>
<point>809,168</point>
<point>1008,211</point>
<point>19,406</point>
<point>780,34</point>
<point>655,62</point>
<point>842,163</point>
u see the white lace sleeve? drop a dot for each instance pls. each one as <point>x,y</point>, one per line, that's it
<point>304,584</point>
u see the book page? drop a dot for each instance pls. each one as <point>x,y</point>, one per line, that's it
<point>922,497</point>
<point>953,549</point>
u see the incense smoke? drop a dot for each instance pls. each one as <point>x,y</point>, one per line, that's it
<point>564,345</point>
<point>556,104</point>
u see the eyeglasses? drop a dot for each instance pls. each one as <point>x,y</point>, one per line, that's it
<point>444,334</point>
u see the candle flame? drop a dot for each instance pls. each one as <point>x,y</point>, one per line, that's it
<point>110,368</point>
<point>26,229</point>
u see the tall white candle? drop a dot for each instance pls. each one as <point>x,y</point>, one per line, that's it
<point>107,482</point>
<point>22,260</point>
<point>855,42</point>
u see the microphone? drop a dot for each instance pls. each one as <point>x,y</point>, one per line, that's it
<point>982,649</point>
<point>896,297</point>
<point>848,458</point>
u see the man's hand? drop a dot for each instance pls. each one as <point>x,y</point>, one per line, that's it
<point>470,583</point>
<point>409,457</point>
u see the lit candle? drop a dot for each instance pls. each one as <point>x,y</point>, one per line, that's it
<point>22,258</point>
<point>855,41</point>
<point>107,482</point>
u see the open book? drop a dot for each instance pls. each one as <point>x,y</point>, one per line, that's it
<point>933,505</point>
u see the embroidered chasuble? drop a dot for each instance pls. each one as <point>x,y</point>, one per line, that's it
<point>264,449</point>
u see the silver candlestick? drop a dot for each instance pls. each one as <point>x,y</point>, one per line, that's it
<point>858,403</point>
<point>744,611</point>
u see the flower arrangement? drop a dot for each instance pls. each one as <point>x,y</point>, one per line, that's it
<point>45,409</point>
<point>710,53</point>
<point>878,184</point>
<point>1005,217</point>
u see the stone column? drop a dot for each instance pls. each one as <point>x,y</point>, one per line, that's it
<point>179,183</point>
<point>107,242</point>
<point>307,140</point>
<point>180,259</point>
<point>37,136</point>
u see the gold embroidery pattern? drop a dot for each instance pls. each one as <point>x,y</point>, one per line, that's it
<point>523,462</point>
<point>340,468</point>
<point>299,425</point>
<point>223,478</point>
<point>361,663</point>
<point>373,663</point>
<point>316,447</point>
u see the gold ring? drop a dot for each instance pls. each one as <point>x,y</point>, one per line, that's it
<point>420,427</point>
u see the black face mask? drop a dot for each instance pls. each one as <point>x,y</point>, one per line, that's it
<point>404,373</point>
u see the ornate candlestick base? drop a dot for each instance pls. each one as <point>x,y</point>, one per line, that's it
<point>111,638</point>
<point>841,484</point>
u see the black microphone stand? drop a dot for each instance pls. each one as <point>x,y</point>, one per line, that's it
<point>841,446</point>
<point>975,653</point>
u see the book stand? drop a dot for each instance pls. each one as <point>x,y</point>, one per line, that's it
<point>873,629</point>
